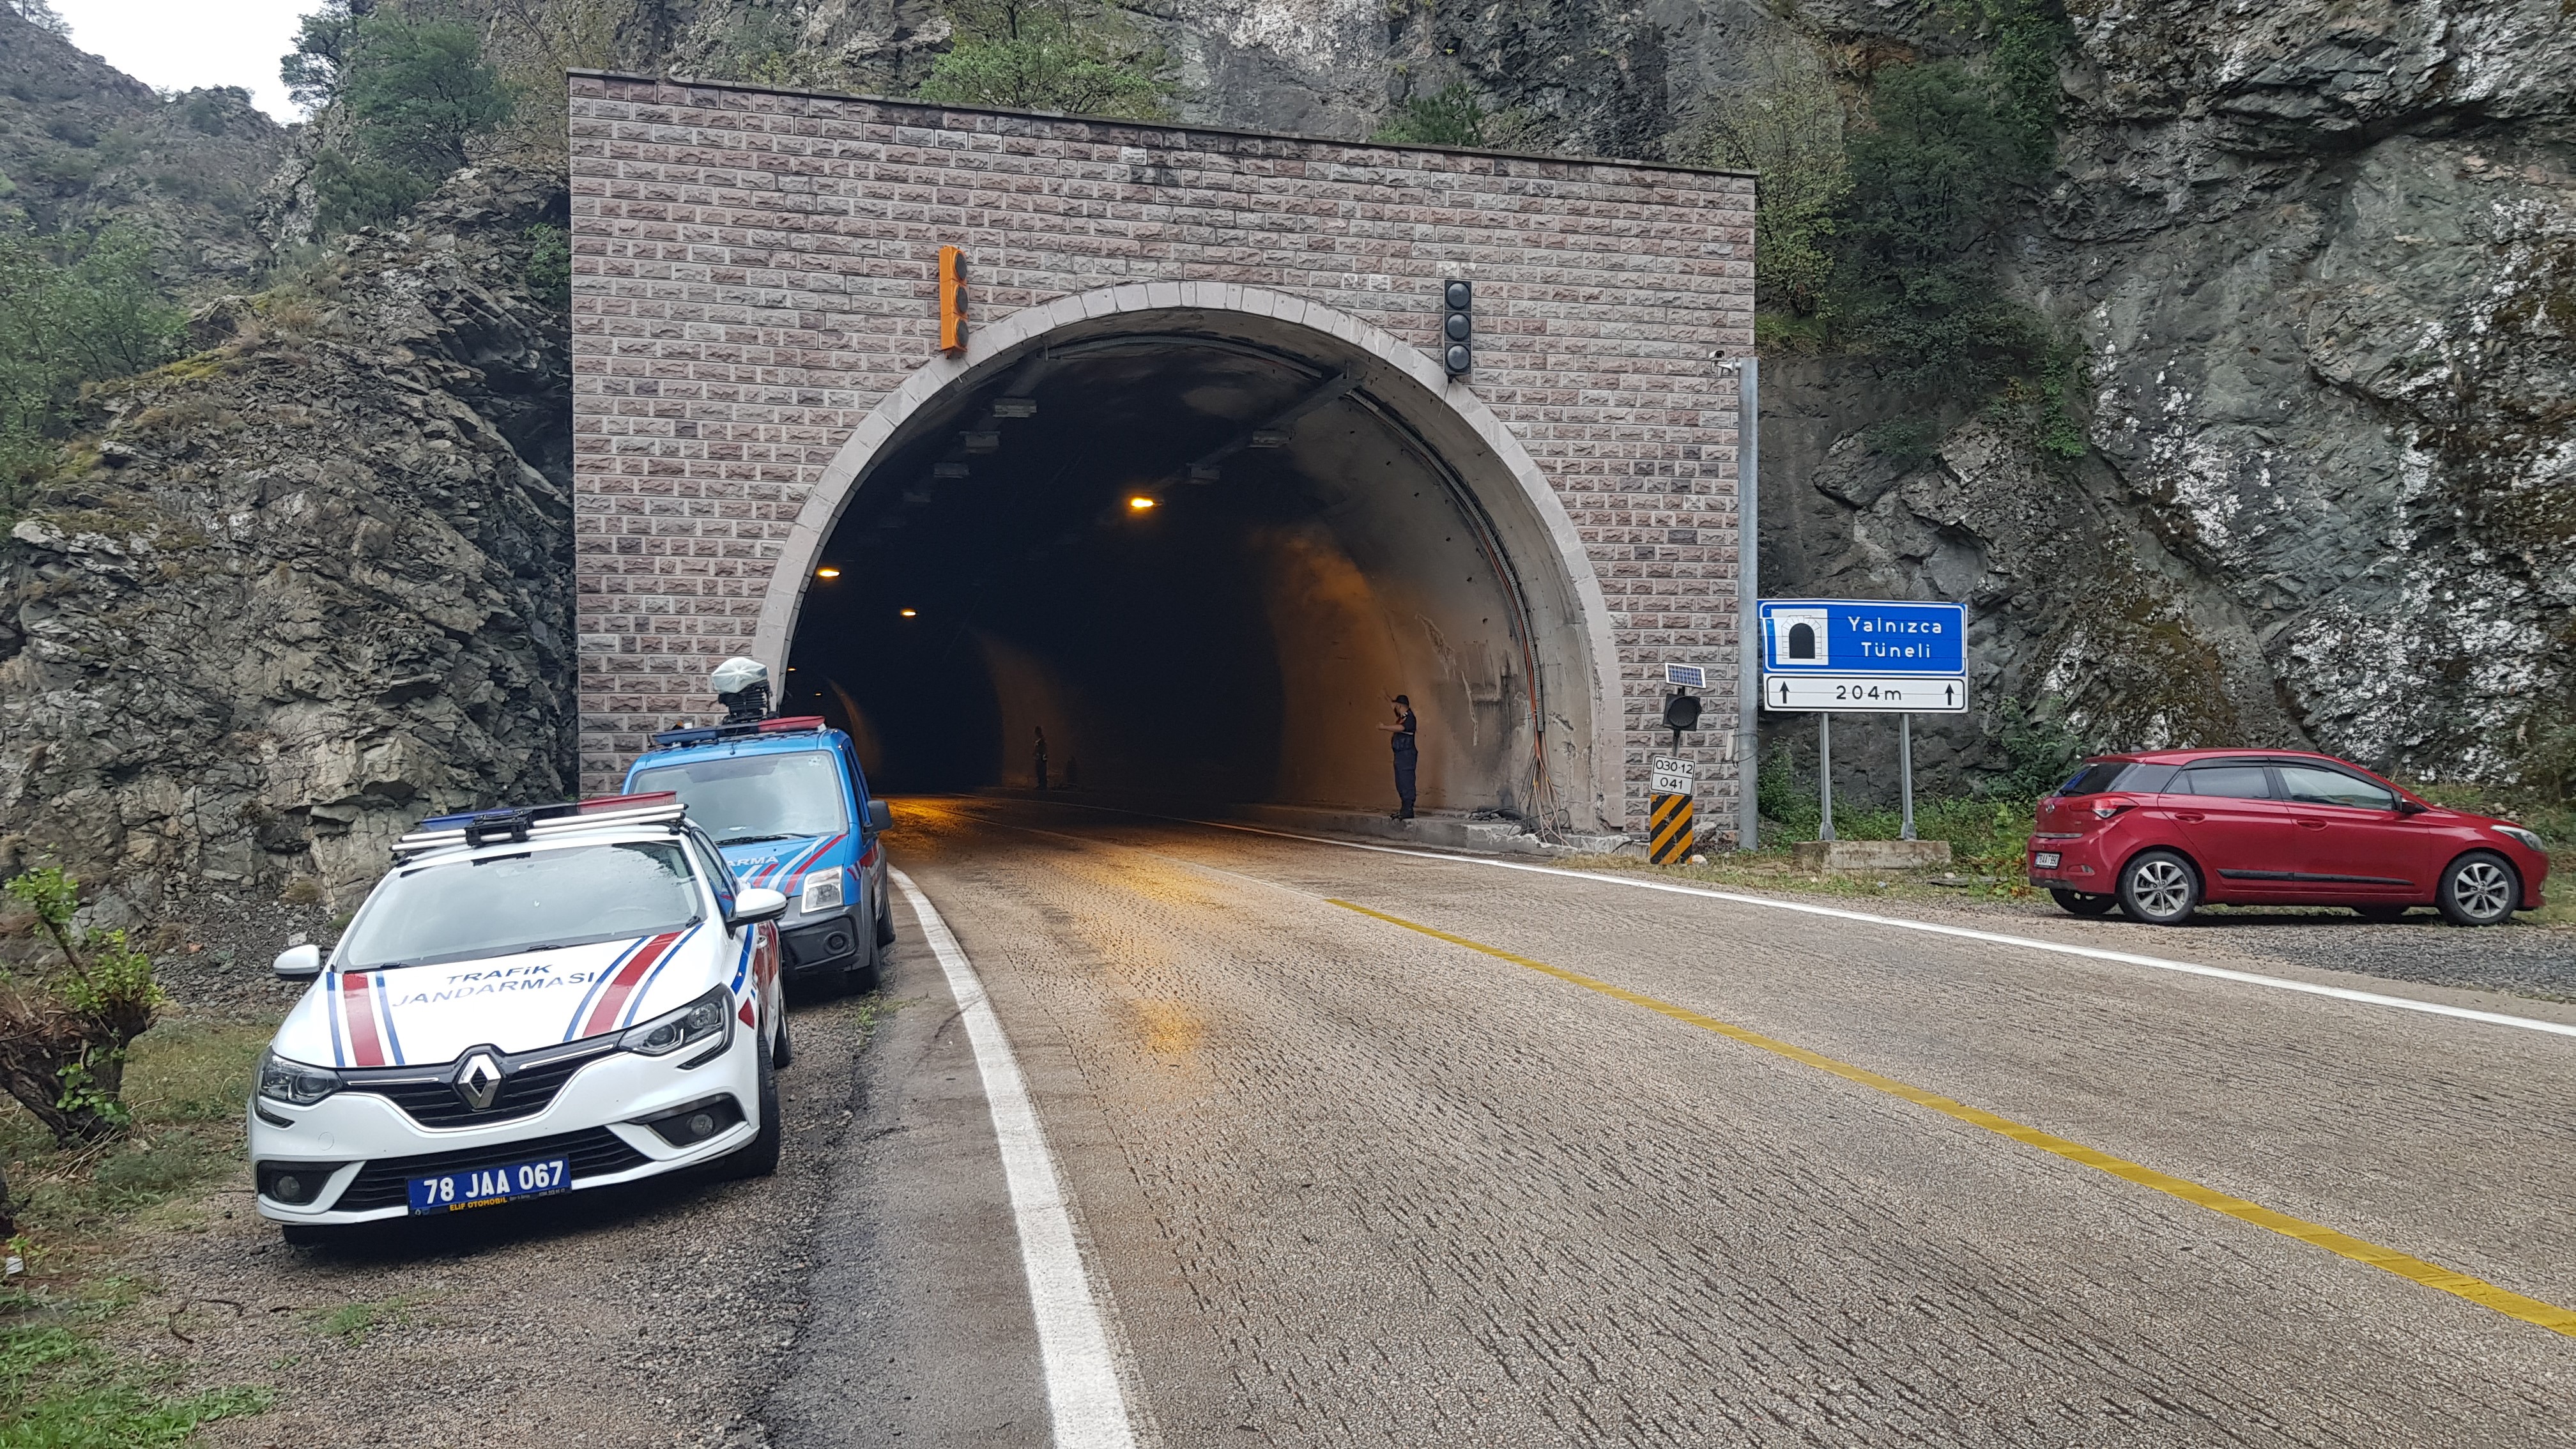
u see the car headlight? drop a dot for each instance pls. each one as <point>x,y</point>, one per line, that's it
<point>822,890</point>
<point>2524,838</point>
<point>293,1082</point>
<point>710,1015</point>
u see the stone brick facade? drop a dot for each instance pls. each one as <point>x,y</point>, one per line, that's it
<point>754,271</point>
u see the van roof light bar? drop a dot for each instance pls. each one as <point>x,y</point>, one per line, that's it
<point>709,734</point>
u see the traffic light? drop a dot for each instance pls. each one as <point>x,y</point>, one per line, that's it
<point>952,300</point>
<point>1458,327</point>
<point>1681,712</point>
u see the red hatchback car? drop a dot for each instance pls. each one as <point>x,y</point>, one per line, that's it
<point>2165,832</point>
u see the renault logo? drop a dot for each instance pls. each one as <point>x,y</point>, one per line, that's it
<point>479,1081</point>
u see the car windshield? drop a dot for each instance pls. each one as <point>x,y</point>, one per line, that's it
<point>746,798</point>
<point>464,910</point>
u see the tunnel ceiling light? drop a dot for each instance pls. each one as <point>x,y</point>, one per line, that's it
<point>948,470</point>
<point>911,613</point>
<point>1015,407</point>
<point>981,442</point>
<point>827,572</point>
<point>1142,504</point>
<point>1203,473</point>
<point>1269,438</point>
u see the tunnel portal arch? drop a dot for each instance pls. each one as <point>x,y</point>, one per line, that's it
<point>1569,694</point>
<point>755,280</point>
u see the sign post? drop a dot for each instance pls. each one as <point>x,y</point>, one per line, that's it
<point>1872,656</point>
<point>1905,771</point>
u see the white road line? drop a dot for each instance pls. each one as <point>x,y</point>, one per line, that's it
<point>1964,933</point>
<point>1083,1394</point>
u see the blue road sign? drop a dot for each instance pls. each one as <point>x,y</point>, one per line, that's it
<point>1863,636</point>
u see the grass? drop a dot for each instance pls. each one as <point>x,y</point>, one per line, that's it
<point>186,1081</point>
<point>60,1390</point>
<point>352,1322</point>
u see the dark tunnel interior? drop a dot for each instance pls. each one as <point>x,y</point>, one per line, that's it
<point>1198,564</point>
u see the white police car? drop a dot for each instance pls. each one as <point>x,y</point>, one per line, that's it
<point>532,1001</point>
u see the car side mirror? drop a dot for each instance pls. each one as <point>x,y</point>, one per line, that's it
<point>880,815</point>
<point>759,903</point>
<point>2409,807</point>
<point>298,963</point>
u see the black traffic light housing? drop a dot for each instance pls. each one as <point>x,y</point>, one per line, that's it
<point>1458,327</point>
<point>1681,712</point>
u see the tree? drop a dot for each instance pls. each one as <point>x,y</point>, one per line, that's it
<point>1050,55</point>
<point>323,45</point>
<point>40,14</point>
<point>418,90</point>
<point>415,91</point>
<point>63,1033</point>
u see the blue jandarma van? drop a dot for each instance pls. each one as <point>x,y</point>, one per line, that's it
<point>788,805</point>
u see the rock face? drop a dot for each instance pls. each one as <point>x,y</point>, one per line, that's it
<point>2322,255</point>
<point>81,142</point>
<point>317,582</point>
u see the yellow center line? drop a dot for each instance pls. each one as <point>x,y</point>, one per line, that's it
<point>2431,1275</point>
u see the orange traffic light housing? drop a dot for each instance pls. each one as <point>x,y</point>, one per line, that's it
<point>952,299</point>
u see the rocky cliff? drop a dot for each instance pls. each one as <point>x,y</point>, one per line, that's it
<point>314,580</point>
<point>82,142</point>
<point>2322,261</point>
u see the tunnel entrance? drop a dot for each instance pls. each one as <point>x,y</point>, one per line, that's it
<point>1198,552</point>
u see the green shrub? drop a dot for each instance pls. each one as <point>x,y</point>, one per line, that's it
<point>1451,116</point>
<point>1050,55</point>
<point>73,308</point>
<point>549,271</point>
<point>1785,125</point>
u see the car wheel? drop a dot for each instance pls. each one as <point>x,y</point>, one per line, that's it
<point>782,1053</point>
<point>2077,903</point>
<point>2159,888</point>
<point>2381,914</point>
<point>865,972</point>
<point>885,925</point>
<point>2478,889</point>
<point>759,1157</point>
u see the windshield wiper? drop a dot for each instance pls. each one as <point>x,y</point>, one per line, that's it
<point>757,839</point>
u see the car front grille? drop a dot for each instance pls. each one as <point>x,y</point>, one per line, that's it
<point>386,1182</point>
<point>529,1083</point>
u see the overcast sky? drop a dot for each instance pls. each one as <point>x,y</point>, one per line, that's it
<point>183,44</point>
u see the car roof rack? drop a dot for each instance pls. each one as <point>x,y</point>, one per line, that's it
<point>521,823</point>
<point>708,734</point>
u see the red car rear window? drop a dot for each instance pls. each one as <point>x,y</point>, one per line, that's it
<point>2103,776</point>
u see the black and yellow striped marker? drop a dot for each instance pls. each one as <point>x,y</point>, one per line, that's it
<point>1669,828</point>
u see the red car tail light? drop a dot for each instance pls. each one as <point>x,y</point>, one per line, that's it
<point>2109,806</point>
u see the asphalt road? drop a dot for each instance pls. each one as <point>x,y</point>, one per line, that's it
<point>1339,1181</point>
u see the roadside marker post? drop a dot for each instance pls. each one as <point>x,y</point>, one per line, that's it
<point>1670,814</point>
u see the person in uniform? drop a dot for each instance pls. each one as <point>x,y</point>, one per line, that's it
<point>1038,752</point>
<point>1406,755</point>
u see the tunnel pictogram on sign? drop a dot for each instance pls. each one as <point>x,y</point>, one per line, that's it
<point>1670,830</point>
